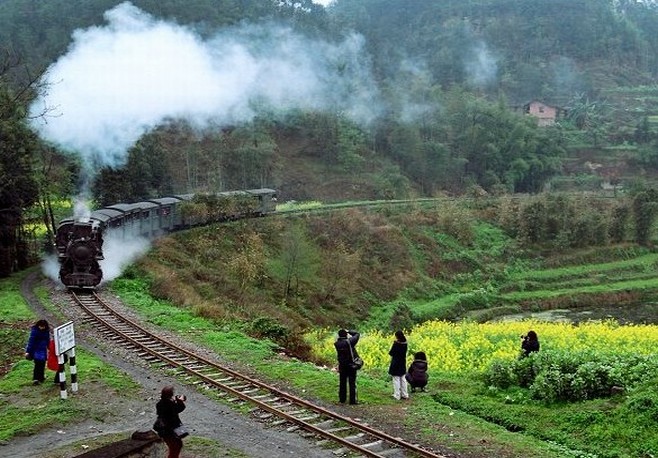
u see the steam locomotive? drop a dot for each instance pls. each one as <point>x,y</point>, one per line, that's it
<point>79,242</point>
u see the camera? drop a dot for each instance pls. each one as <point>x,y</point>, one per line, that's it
<point>181,397</point>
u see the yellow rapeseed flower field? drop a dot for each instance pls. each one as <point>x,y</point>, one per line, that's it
<point>468,347</point>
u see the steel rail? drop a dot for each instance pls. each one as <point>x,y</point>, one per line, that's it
<point>193,359</point>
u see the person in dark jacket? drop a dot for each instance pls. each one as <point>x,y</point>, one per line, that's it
<point>529,344</point>
<point>417,373</point>
<point>168,408</point>
<point>346,352</point>
<point>37,349</point>
<point>398,367</point>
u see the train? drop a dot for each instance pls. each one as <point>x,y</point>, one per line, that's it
<point>79,241</point>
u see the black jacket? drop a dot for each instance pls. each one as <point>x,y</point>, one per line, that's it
<point>528,346</point>
<point>168,410</point>
<point>417,373</point>
<point>398,352</point>
<point>342,345</point>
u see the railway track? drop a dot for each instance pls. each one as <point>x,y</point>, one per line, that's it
<point>343,435</point>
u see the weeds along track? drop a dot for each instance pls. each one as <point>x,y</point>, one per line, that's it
<point>345,436</point>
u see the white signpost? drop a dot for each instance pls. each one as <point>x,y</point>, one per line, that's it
<point>65,349</point>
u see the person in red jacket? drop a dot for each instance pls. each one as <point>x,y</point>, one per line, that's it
<point>53,361</point>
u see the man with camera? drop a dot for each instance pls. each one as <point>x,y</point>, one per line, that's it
<point>168,425</point>
<point>346,352</point>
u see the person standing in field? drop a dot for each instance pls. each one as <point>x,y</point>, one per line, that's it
<point>37,350</point>
<point>398,367</point>
<point>529,344</point>
<point>346,352</point>
<point>417,373</point>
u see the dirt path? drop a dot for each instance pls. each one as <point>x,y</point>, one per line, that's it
<point>206,418</point>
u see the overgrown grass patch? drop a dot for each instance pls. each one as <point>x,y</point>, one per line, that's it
<point>580,429</point>
<point>26,408</point>
<point>12,304</point>
<point>31,408</point>
<point>641,263</point>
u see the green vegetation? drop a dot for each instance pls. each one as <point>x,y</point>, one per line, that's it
<point>27,409</point>
<point>252,289</point>
<point>319,382</point>
<point>454,119</point>
<point>237,289</point>
<point>390,267</point>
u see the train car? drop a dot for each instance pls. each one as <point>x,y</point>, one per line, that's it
<point>266,200</point>
<point>79,243</point>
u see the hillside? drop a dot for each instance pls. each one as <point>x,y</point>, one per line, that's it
<point>402,66</point>
<point>390,266</point>
<point>366,99</point>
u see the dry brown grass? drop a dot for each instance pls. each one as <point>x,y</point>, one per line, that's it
<point>359,251</point>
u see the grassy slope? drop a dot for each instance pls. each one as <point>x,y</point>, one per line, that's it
<point>27,409</point>
<point>469,267</point>
<point>435,255</point>
<point>432,422</point>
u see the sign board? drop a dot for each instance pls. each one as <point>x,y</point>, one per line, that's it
<point>64,338</point>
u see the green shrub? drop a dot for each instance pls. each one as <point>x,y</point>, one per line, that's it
<point>552,385</point>
<point>524,371</point>
<point>561,376</point>
<point>499,375</point>
<point>268,328</point>
<point>289,341</point>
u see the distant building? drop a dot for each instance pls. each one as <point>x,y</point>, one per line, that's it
<point>546,114</point>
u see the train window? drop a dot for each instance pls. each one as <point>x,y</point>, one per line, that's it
<point>166,211</point>
<point>145,214</point>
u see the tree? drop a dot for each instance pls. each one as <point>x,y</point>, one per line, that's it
<point>340,268</point>
<point>54,175</point>
<point>18,188</point>
<point>297,262</point>
<point>645,205</point>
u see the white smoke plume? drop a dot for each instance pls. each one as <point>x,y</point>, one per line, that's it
<point>81,210</point>
<point>50,268</point>
<point>120,252</point>
<point>120,80</point>
<point>482,67</point>
<point>413,104</point>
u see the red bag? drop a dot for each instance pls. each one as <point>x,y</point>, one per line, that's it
<point>52,362</point>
